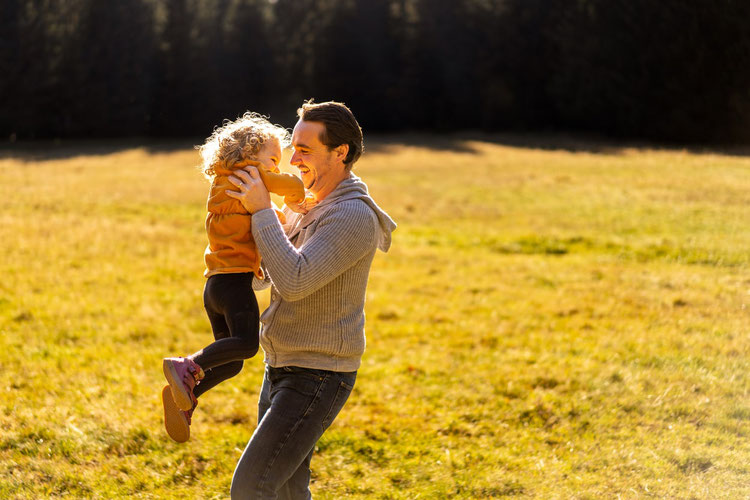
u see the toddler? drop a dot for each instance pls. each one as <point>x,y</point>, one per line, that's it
<point>232,260</point>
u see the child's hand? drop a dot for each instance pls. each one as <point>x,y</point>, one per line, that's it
<point>304,206</point>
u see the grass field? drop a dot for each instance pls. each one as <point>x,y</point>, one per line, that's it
<point>551,322</point>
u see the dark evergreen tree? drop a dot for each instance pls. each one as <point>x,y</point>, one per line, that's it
<point>297,25</point>
<point>10,67</point>
<point>445,45</point>
<point>249,73</point>
<point>676,70</point>
<point>106,71</point>
<point>356,60</point>
<point>175,95</point>
<point>29,58</point>
<point>662,70</point>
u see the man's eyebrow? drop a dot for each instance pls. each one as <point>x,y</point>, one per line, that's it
<point>298,146</point>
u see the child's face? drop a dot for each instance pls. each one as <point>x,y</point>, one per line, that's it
<point>270,155</point>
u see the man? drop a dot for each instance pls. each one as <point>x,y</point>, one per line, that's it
<point>313,330</point>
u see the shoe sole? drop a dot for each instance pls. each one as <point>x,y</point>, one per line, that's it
<point>175,422</point>
<point>179,393</point>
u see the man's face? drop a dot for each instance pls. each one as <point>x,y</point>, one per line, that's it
<point>316,164</point>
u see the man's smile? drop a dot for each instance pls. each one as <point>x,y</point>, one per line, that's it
<point>307,178</point>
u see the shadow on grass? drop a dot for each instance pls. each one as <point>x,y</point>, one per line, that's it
<point>456,142</point>
<point>460,142</point>
<point>48,150</point>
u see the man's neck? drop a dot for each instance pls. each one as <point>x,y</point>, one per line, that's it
<point>323,193</point>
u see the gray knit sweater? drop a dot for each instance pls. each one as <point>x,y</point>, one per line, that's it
<point>318,265</point>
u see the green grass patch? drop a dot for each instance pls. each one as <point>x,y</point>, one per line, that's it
<point>548,324</point>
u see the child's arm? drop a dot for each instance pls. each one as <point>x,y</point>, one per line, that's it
<point>286,185</point>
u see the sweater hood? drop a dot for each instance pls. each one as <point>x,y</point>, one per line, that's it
<point>353,188</point>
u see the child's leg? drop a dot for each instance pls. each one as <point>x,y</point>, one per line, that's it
<point>223,372</point>
<point>217,375</point>
<point>233,312</point>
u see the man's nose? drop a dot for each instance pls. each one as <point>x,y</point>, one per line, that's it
<point>295,159</point>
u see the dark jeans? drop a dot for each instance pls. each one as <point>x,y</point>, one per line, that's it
<point>296,405</point>
<point>233,312</point>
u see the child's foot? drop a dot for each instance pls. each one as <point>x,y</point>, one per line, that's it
<point>176,421</point>
<point>182,375</point>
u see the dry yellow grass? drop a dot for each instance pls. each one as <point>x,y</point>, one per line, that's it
<point>549,324</point>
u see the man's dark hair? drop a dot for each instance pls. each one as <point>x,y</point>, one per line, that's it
<point>340,127</point>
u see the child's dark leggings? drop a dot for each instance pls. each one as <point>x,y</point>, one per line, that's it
<point>232,309</point>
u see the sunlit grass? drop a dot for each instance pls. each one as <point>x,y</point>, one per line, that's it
<point>548,324</point>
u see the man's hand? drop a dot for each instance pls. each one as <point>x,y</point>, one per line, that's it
<point>252,192</point>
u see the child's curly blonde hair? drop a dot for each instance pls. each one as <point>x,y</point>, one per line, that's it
<point>238,140</point>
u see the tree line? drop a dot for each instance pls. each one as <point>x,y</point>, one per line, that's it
<point>675,70</point>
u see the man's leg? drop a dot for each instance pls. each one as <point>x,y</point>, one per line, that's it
<point>303,403</point>
<point>298,486</point>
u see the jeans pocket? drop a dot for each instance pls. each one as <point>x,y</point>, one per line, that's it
<point>342,394</point>
<point>305,385</point>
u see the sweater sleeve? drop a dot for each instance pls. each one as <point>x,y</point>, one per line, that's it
<point>344,234</point>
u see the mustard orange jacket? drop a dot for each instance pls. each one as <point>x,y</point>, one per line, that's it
<point>231,248</point>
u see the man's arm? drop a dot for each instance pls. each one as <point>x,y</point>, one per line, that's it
<point>345,233</point>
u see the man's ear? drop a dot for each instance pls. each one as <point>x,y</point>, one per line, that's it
<point>341,151</point>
